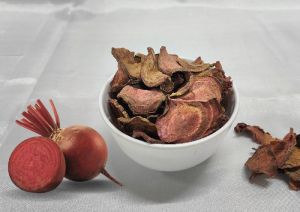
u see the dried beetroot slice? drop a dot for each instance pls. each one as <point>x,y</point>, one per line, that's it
<point>183,122</point>
<point>198,61</point>
<point>150,74</point>
<point>293,161</point>
<point>127,61</point>
<point>167,86</point>
<point>147,138</point>
<point>203,89</point>
<point>119,81</point>
<point>225,81</point>
<point>280,151</point>
<point>167,63</point>
<point>141,101</point>
<point>183,90</point>
<point>214,112</point>
<point>37,165</point>
<point>192,66</point>
<point>258,134</point>
<point>294,185</point>
<point>262,162</point>
<point>117,109</point>
<point>138,123</point>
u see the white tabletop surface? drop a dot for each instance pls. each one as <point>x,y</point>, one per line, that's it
<point>60,49</point>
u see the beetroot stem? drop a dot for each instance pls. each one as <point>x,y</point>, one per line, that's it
<point>33,112</point>
<point>35,123</point>
<point>30,128</point>
<point>106,174</point>
<point>55,113</point>
<point>46,113</point>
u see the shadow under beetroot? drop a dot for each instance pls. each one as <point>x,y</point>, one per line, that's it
<point>65,191</point>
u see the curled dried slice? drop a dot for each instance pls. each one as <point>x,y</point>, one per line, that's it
<point>203,89</point>
<point>192,66</point>
<point>147,138</point>
<point>119,80</point>
<point>117,109</point>
<point>127,61</point>
<point>258,134</point>
<point>141,101</point>
<point>150,74</point>
<point>183,90</point>
<point>262,162</point>
<point>138,123</point>
<point>167,63</point>
<point>225,81</point>
<point>183,122</point>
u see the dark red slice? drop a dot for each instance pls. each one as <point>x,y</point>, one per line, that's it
<point>37,165</point>
<point>203,89</point>
<point>183,122</point>
<point>141,101</point>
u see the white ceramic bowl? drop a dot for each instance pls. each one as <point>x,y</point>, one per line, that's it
<point>166,157</point>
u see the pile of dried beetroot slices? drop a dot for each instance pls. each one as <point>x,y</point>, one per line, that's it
<point>274,155</point>
<point>162,98</point>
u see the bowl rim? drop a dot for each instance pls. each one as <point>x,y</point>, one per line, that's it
<point>166,146</point>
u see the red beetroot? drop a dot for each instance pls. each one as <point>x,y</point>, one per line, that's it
<point>37,165</point>
<point>84,149</point>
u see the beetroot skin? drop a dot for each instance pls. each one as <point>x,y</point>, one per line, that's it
<point>37,165</point>
<point>85,152</point>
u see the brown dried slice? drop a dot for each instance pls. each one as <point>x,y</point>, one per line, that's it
<point>167,86</point>
<point>192,66</point>
<point>127,61</point>
<point>147,138</point>
<point>225,81</point>
<point>183,90</point>
<point>294,185</point>
<point>294,175</point>
<point>293,160</point>
<point>262,162</point>
<point>203,89</point>
<point>150,74</point>
<point>116,109</point>
<point>183,122</point>
<point>119,80</point>
<point>167,63</point>
<point>138,123</point>
<point>258,134</point>
<point>280,151</point>
<point>198,61</point>
<point>141,101</point>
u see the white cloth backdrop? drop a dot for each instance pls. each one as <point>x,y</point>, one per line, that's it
<point>61,50</point>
